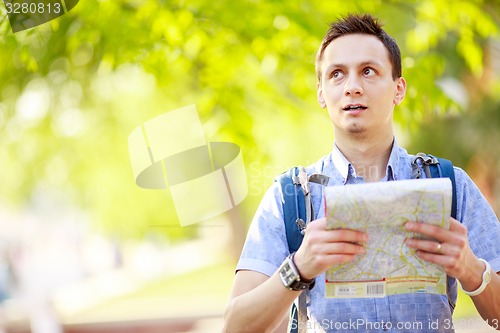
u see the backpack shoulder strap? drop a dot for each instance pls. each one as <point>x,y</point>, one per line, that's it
<point>297,204</point>
<point>297,212</point>
<point>444,169</point>
<point>436,167</point>
<point>293,203</point>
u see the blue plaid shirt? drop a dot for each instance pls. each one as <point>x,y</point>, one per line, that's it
<point>266,248</point>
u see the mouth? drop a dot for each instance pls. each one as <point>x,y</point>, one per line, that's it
<point>354,107</point>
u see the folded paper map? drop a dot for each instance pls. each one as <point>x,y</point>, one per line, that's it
<point>381,209</point>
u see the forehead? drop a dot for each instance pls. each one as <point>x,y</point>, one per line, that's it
<point>350,50</point>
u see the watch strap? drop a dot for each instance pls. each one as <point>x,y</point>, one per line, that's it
<point>298,283</point>
<point>486,279</point>
<point>310,282</point>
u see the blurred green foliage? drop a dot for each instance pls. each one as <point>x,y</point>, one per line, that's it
<point>73,89</point>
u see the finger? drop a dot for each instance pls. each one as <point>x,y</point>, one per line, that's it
<point>349,235</point>
<point>456,226</point>
<point>346,235</point>
<point>343,248</point>
<point>316,235</point>
<point>442,260</point>
<point>430,230</point>
<point>340,258</point>
<point>426,245</point>
<point>455,235</point>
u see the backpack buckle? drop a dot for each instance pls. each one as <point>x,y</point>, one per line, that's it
<point>426,160</point>
<point>302,225</point>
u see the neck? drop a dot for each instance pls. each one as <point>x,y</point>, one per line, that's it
<point>368,157</point>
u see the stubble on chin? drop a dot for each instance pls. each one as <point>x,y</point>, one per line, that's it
<point>355,129</point>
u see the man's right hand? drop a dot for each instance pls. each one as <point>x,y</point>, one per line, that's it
<point>253,291</point>
<point>322,248</point>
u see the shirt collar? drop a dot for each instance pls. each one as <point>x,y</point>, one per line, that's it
<point>392,171</point>
<point>341,163</point>
<point>346,169</point>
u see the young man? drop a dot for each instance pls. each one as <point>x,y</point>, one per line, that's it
<point>360,83</point>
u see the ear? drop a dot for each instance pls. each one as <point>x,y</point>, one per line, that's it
<point>400,91</point>
<point>321,99</point>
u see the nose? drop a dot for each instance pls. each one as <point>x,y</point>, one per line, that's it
<point>353,86</point>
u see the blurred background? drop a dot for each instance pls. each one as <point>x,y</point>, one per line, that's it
<point>83,249</point>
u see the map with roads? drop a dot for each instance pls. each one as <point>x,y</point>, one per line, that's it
<point>381,209</point>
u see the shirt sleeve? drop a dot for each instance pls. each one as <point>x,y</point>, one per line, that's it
<point>266,245</point>
<point>482,224</point>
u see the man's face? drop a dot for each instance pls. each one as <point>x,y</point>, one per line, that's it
<point>357,86</point>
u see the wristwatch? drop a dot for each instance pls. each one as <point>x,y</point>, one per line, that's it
<point>486,280</point>
<point>290,276</point>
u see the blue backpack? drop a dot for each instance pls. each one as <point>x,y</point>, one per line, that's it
<point>298,211</point>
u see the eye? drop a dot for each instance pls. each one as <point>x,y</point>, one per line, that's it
<point>337,74</point>
<point>368,71</point>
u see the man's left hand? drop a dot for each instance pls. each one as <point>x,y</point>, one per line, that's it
<point>450,249</point>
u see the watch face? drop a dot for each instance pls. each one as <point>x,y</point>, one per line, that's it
<point>487,276</point>
<point>288,273</point>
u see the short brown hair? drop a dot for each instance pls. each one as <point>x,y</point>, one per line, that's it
<point>361,24</point>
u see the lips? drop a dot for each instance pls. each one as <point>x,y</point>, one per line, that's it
<point>354,107</point>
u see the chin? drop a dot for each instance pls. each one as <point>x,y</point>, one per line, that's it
<point>356,129</point>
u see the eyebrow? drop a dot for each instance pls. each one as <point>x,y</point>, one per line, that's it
<point>362,64</point>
